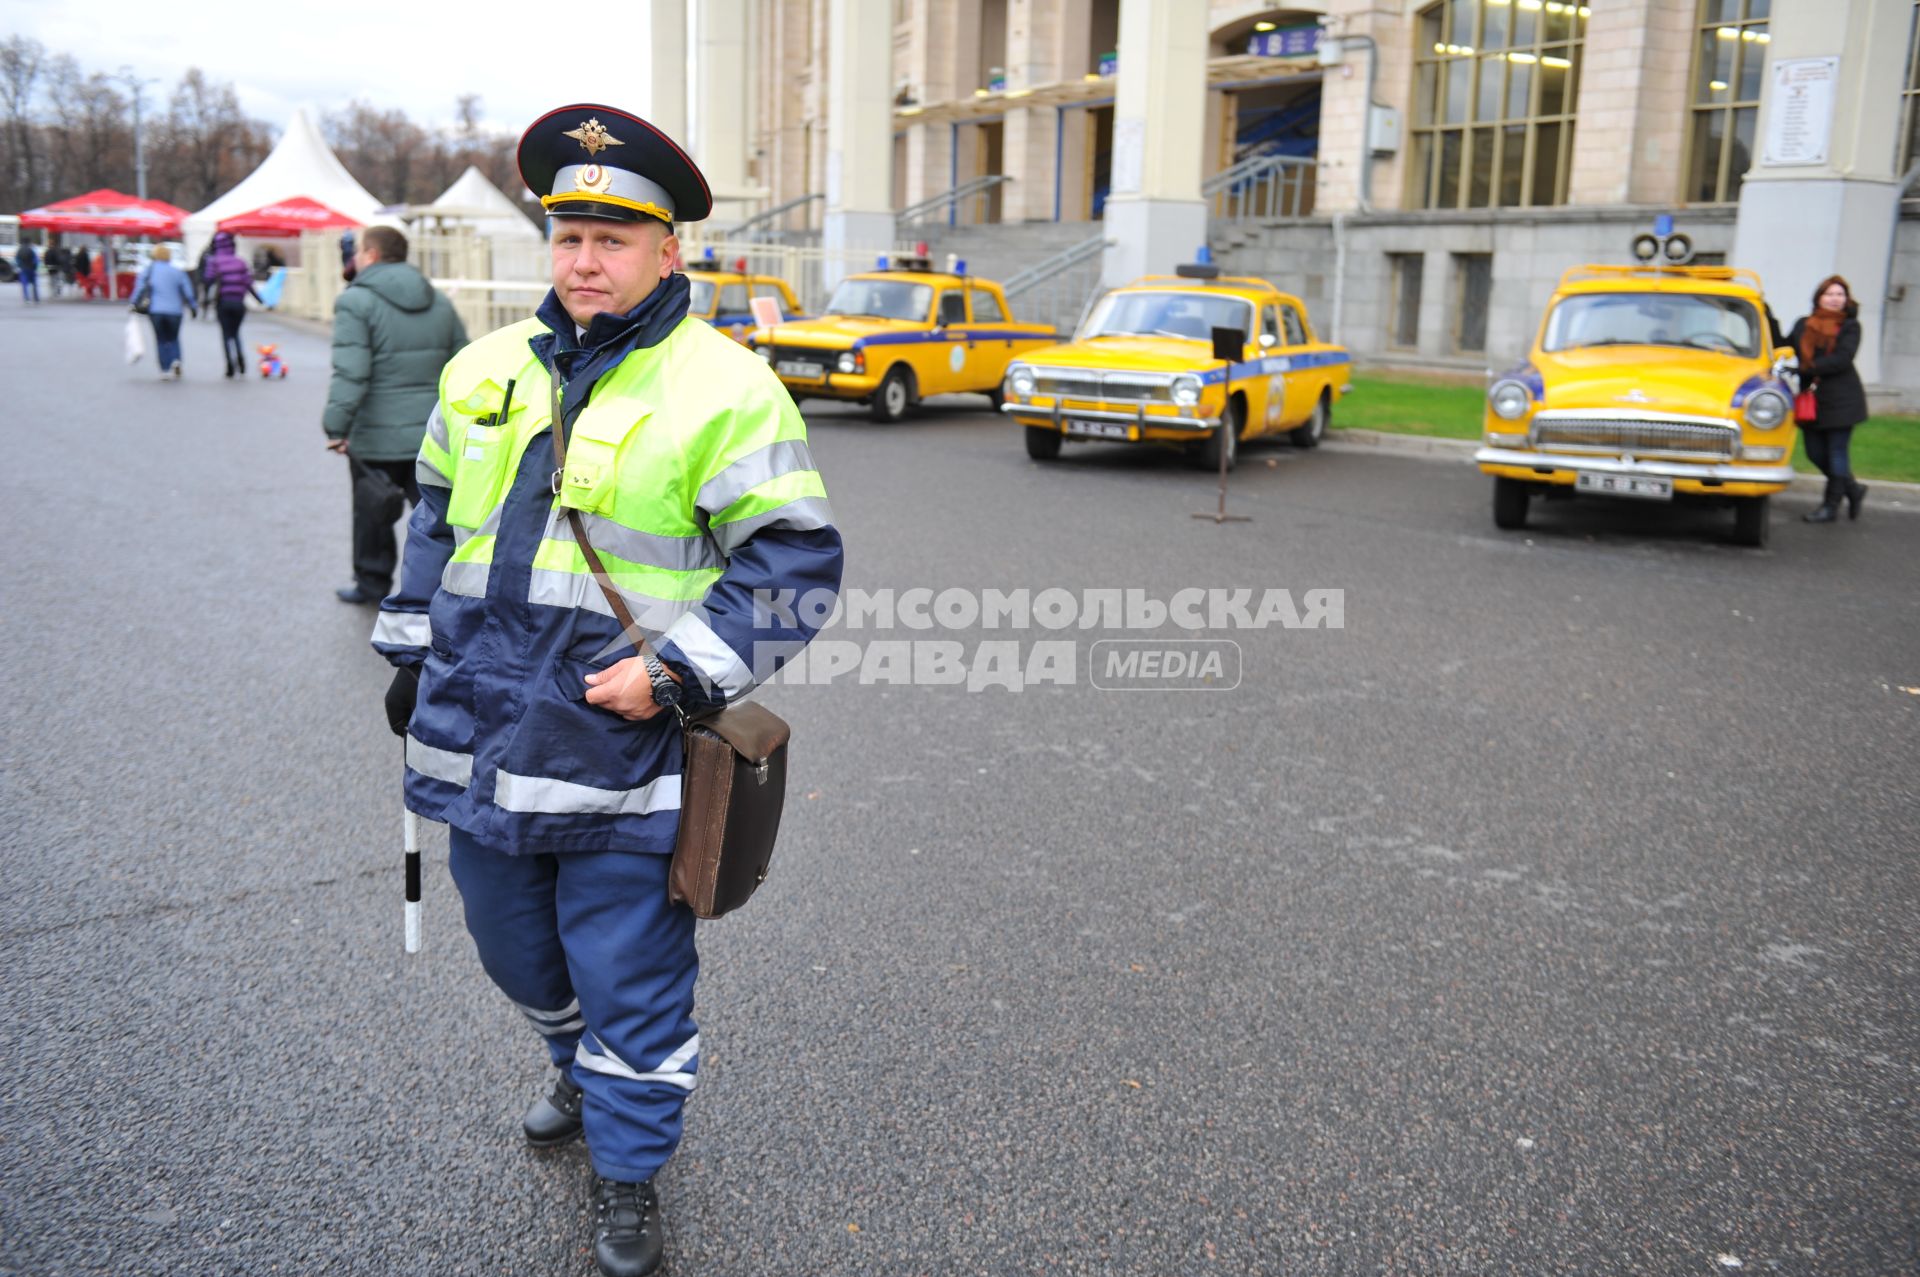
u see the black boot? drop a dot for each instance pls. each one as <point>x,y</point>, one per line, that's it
<point>1856,493</point>
<point>1829,508</point>
<point>555,1119</point>
<point>627,1235</point>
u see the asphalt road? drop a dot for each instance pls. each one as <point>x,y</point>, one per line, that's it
<point>1556,915</point>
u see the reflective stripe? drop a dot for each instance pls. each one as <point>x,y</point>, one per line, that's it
<point>403,629</point>
<point>669,1072</point>
<point>441,764</point>
<point>676,554</point>
<point>437,429</point>
<point>552,587</point>
<point>489,526</point>
<point>469,579</point>
<point>752,470</point>
<point>563,797</point>
<point>803,515</point>
<point>572,1008</point>
<point>428,475</point>
<point>554,1023</point>
<point>710,655</point>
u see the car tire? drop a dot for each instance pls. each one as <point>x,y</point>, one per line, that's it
<point>1227,436</point>
<point>894,398</point>
<point>1751,522</point>
<point>996,397</point>
<point>1314,429</point>
<point>1043,443</point>
<point>1510,497</point>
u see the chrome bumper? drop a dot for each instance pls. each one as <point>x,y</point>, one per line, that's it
<point>1614,465</point>
<point>1138,417</point>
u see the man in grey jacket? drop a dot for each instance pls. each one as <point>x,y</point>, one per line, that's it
<point>392,334</point>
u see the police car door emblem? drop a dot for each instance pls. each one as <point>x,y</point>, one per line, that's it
<point>592,177</point>
<point>594,136</point>
<point>957,358</point>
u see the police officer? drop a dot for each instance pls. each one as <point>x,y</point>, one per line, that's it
<point>537,729</point>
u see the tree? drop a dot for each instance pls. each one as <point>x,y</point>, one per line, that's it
<point>20,62</point>
<point>205,143</point>
<point>89,133</point>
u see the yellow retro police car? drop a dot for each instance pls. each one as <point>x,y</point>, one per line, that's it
<point>1142,370</point>
<point>1649,382</point>
<point>891,337</point>
<point>724,297</point>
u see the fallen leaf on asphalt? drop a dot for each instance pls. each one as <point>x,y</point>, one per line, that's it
<point>812,794</point>
<point>1911,691</point>
<point>1134,966</point>
<point>1130,1082</point>
<point>853,1228</point>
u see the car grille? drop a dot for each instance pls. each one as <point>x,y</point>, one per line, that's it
<point>823,357</point>
<point>1641,438</point>
<point>1079,383</point>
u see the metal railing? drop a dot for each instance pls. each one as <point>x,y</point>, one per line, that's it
<point>761,225</point>
<point>1056,290</point>
<point>1262,187</point>
<point>972,203</point>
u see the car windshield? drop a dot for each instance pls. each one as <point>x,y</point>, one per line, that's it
<point>882,299</point>
<point>1727,325</point>
<point>1172,314</point>
<point>700,300</point>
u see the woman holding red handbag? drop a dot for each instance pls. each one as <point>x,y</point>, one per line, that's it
<point>1831,401</point>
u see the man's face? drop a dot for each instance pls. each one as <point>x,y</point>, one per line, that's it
<point>606,267</point>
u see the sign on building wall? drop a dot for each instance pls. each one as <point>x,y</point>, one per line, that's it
<point>1800,112</point>
<point>1291,42</point>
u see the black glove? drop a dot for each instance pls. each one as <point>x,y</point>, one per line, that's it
<point>401,694</point>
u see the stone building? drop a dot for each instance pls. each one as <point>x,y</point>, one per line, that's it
<point>1506,141</point>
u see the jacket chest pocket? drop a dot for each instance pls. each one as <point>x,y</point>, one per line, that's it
<point>593,447</point>
<point>479,469</point>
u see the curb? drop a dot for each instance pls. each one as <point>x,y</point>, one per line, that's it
<point>1440,449</point>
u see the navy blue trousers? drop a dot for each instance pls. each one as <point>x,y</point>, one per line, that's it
<point>1830,450</point>
<point>586,945</point>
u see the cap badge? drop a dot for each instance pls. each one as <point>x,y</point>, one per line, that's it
<point>592,177</point>
<point>594,137</point>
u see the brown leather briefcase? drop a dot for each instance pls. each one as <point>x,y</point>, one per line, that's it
<point>733,782</point>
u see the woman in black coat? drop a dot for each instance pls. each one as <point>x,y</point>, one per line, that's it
<point>1826,342</point>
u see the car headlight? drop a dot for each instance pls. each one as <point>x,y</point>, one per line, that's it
<point>846,362</point>
<point>1509,400</point>
<point>1185,390</point>
<point>1766,409</point>
<point>1020,381</point>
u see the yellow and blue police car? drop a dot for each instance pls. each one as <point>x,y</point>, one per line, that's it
<point>1142,370</point>
<point>890,337</point>
<point>723,296</point>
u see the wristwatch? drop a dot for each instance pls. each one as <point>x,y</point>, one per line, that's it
<point>666,692</point>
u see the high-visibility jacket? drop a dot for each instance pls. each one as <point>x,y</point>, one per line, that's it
<point>690,467</point>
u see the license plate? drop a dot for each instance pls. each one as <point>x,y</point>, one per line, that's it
<point>798,368</point>
<point>1099,430</point>
<point>1646,487</point>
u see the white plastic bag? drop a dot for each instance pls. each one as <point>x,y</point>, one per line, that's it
<point>136,338</point>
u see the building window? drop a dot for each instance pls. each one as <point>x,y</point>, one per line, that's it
<point>1495,87</point>
<point>1472,291</point>
<point>1910,99</point>
<point>1729,66</point>
<point>1407,269</point>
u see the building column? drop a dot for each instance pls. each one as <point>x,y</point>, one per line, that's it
<point>859,130</point>
<point>719,142</point>
<point>1155,217</point>
<point>667,65</point>
<point>1030,154</point>
<point>1633,103</point>
<point>1822,197</point>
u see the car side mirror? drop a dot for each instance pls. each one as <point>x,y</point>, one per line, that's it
<point>1782,359</point>
<point>1268,341</point>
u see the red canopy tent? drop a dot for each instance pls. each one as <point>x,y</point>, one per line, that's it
<point>285,219</point>
<point>107,212</point>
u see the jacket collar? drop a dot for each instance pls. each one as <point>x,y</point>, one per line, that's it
<point>608,339</point>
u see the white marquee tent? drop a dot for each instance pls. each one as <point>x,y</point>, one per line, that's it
<point>301,163</point>
<point>474,201</point>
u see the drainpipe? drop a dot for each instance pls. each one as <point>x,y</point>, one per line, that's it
<point>1339,275</point>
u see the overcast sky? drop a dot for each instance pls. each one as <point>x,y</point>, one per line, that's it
<point>521,58</point>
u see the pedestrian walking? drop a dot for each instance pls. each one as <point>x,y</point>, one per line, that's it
<point>27,263</point>
<point>1825,343</point>
<point>59,263</point>
<point>168,293</point>
<point>392,334</point>
<point>83,272</point>
<point>537,728</point>
<point>233,284</point>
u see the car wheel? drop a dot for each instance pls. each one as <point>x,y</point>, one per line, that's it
<point>1309,434</point>
<point>1750,522</point>
<point>1226,436</point>
<point>895,395</point>
<point>1510,498</point>
<point>1043,443</point>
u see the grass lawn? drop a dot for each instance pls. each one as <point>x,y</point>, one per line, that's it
<point>1412,404</point>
